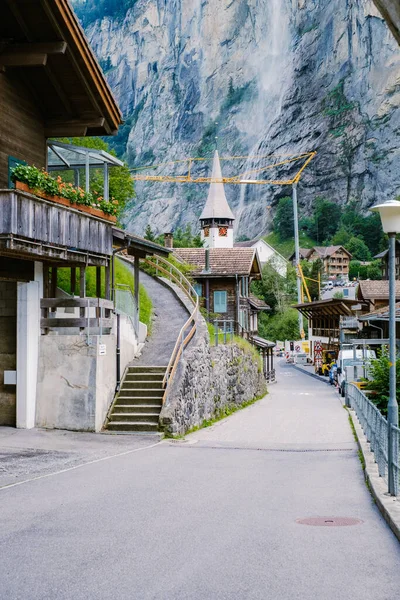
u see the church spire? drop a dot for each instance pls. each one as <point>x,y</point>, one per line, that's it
<point>217,218</point>
<point>217,206</point>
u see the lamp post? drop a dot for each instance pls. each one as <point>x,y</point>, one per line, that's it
<point>390,217</point>
<point>297,254</point>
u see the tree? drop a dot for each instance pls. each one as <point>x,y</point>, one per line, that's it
<point>371,271</point>
<point>379,384</point>
<point>149,234</point>
<point>326,219</point>
<point>120,180</point>
<point>284,220</point>
<point>358,249</point>
<point>282,326</point>
<point>341,238</point>
<point>274,289</point>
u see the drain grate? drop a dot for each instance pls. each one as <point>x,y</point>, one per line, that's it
<point>329,521</point>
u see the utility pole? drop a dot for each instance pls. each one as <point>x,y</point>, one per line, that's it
<point>297,254</point>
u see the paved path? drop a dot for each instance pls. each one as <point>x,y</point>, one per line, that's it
<point>170,316</point>
<point>209,518</point>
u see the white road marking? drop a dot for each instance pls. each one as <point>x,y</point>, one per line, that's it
<point>91,462</point>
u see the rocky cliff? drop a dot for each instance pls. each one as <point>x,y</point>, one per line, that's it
<point>263,76</point>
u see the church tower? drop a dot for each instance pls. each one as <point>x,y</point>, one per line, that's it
<point>217,218</point>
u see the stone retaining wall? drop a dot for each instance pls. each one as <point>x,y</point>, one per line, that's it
<point>207,380</point>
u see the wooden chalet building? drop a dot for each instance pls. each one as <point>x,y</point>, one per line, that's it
<point>374,295</point>
<point>57,352</point>
<point>324,318</point>
<point>335,259</point>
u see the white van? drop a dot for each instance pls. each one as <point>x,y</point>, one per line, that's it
<point>349,366</point>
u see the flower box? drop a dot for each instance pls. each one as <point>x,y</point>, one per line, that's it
<point>95,212</point>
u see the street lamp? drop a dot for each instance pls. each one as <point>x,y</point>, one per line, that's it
<point>390,216</point>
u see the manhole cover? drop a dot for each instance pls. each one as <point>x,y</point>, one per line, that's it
<point>329,521</point>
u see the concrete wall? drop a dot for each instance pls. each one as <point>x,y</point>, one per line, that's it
<point>8,350</point>
<point>207,380</point>
<point>75,383</point>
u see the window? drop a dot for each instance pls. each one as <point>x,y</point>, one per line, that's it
<point>220,302</point>
<point>198,288</point>
<point>13,162</point>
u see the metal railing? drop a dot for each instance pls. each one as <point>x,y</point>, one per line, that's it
<point>224,330</point>
<point>375,428</point>
<point>167,270</point>
<point>125,303</point>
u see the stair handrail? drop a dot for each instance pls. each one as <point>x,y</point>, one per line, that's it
<point>168,270</point>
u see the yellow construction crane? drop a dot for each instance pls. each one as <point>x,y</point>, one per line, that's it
<point>304,280</point>
<point>246,177</point>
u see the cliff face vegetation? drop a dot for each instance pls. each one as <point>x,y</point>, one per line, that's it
<point>263,76</point>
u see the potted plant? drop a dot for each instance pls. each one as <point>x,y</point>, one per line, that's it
<point>40,183</point>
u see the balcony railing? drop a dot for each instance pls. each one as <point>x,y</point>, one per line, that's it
<point>82,310</point>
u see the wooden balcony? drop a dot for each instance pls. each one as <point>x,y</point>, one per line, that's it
<point>83,313</point>
<point>35,228</point>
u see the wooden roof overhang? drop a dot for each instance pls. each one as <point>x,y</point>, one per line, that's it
<point>327,308</point>
<point>42,42</point>
<point>135,245</point>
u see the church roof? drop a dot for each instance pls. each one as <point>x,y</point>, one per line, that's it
<point>224,262</point>
<point>217,206</point>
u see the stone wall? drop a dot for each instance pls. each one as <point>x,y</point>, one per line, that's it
<point>76,384</point>
<point>209,379</point>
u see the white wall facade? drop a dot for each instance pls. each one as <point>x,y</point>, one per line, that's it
<point>267,253</point>
<point>28,335</point>
<point>214,240</point>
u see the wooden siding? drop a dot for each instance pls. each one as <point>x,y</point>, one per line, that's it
<point>21,126</point>
<point>27,216</point>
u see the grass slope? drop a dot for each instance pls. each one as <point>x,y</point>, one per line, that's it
<point>123,275</point>
<point>286,247</point>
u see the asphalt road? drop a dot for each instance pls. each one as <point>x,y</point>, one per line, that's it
<point>213,517</point>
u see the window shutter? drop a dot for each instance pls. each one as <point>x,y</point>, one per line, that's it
<point>220,302</point>
<point>198,288</point>
<point>13,162</point>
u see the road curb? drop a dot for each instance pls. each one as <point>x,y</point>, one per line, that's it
<point>313,375</point>
<point>388,505</point>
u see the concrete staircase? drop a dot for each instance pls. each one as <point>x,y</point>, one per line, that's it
<point>138,404</point>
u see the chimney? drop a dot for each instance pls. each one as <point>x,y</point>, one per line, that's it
<point>169,240</point>
<point>207,261</point>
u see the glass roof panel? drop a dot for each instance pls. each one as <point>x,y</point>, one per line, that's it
<point>67,156</point>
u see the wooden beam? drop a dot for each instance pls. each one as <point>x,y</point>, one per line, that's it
<point>30,54</point>
<point>59,90</point>
<point>66,131</point>
<point>78,122</point>
<point>81,323</point>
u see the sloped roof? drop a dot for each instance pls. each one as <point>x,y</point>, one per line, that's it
<point>257,303</point>
<point>381,314</point>
<point>224,262</point>
<point>252,243</point>
<point>304,253</point>
<point>325,251</point>
<point>376,290</point>
<point>66,81</point>
<point>217,206</point>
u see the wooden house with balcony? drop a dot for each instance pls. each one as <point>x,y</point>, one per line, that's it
<point>335,259</point>
<point>57,353</point>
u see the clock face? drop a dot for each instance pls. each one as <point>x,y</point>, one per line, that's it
<point>223,231</point>
<point>206,231</point>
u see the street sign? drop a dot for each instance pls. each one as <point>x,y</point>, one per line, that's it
<point>297,349</point>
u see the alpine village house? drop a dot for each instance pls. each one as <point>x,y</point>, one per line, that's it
<point>51,85</point>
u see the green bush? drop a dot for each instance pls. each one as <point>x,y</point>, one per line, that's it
<point>123,275</point>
